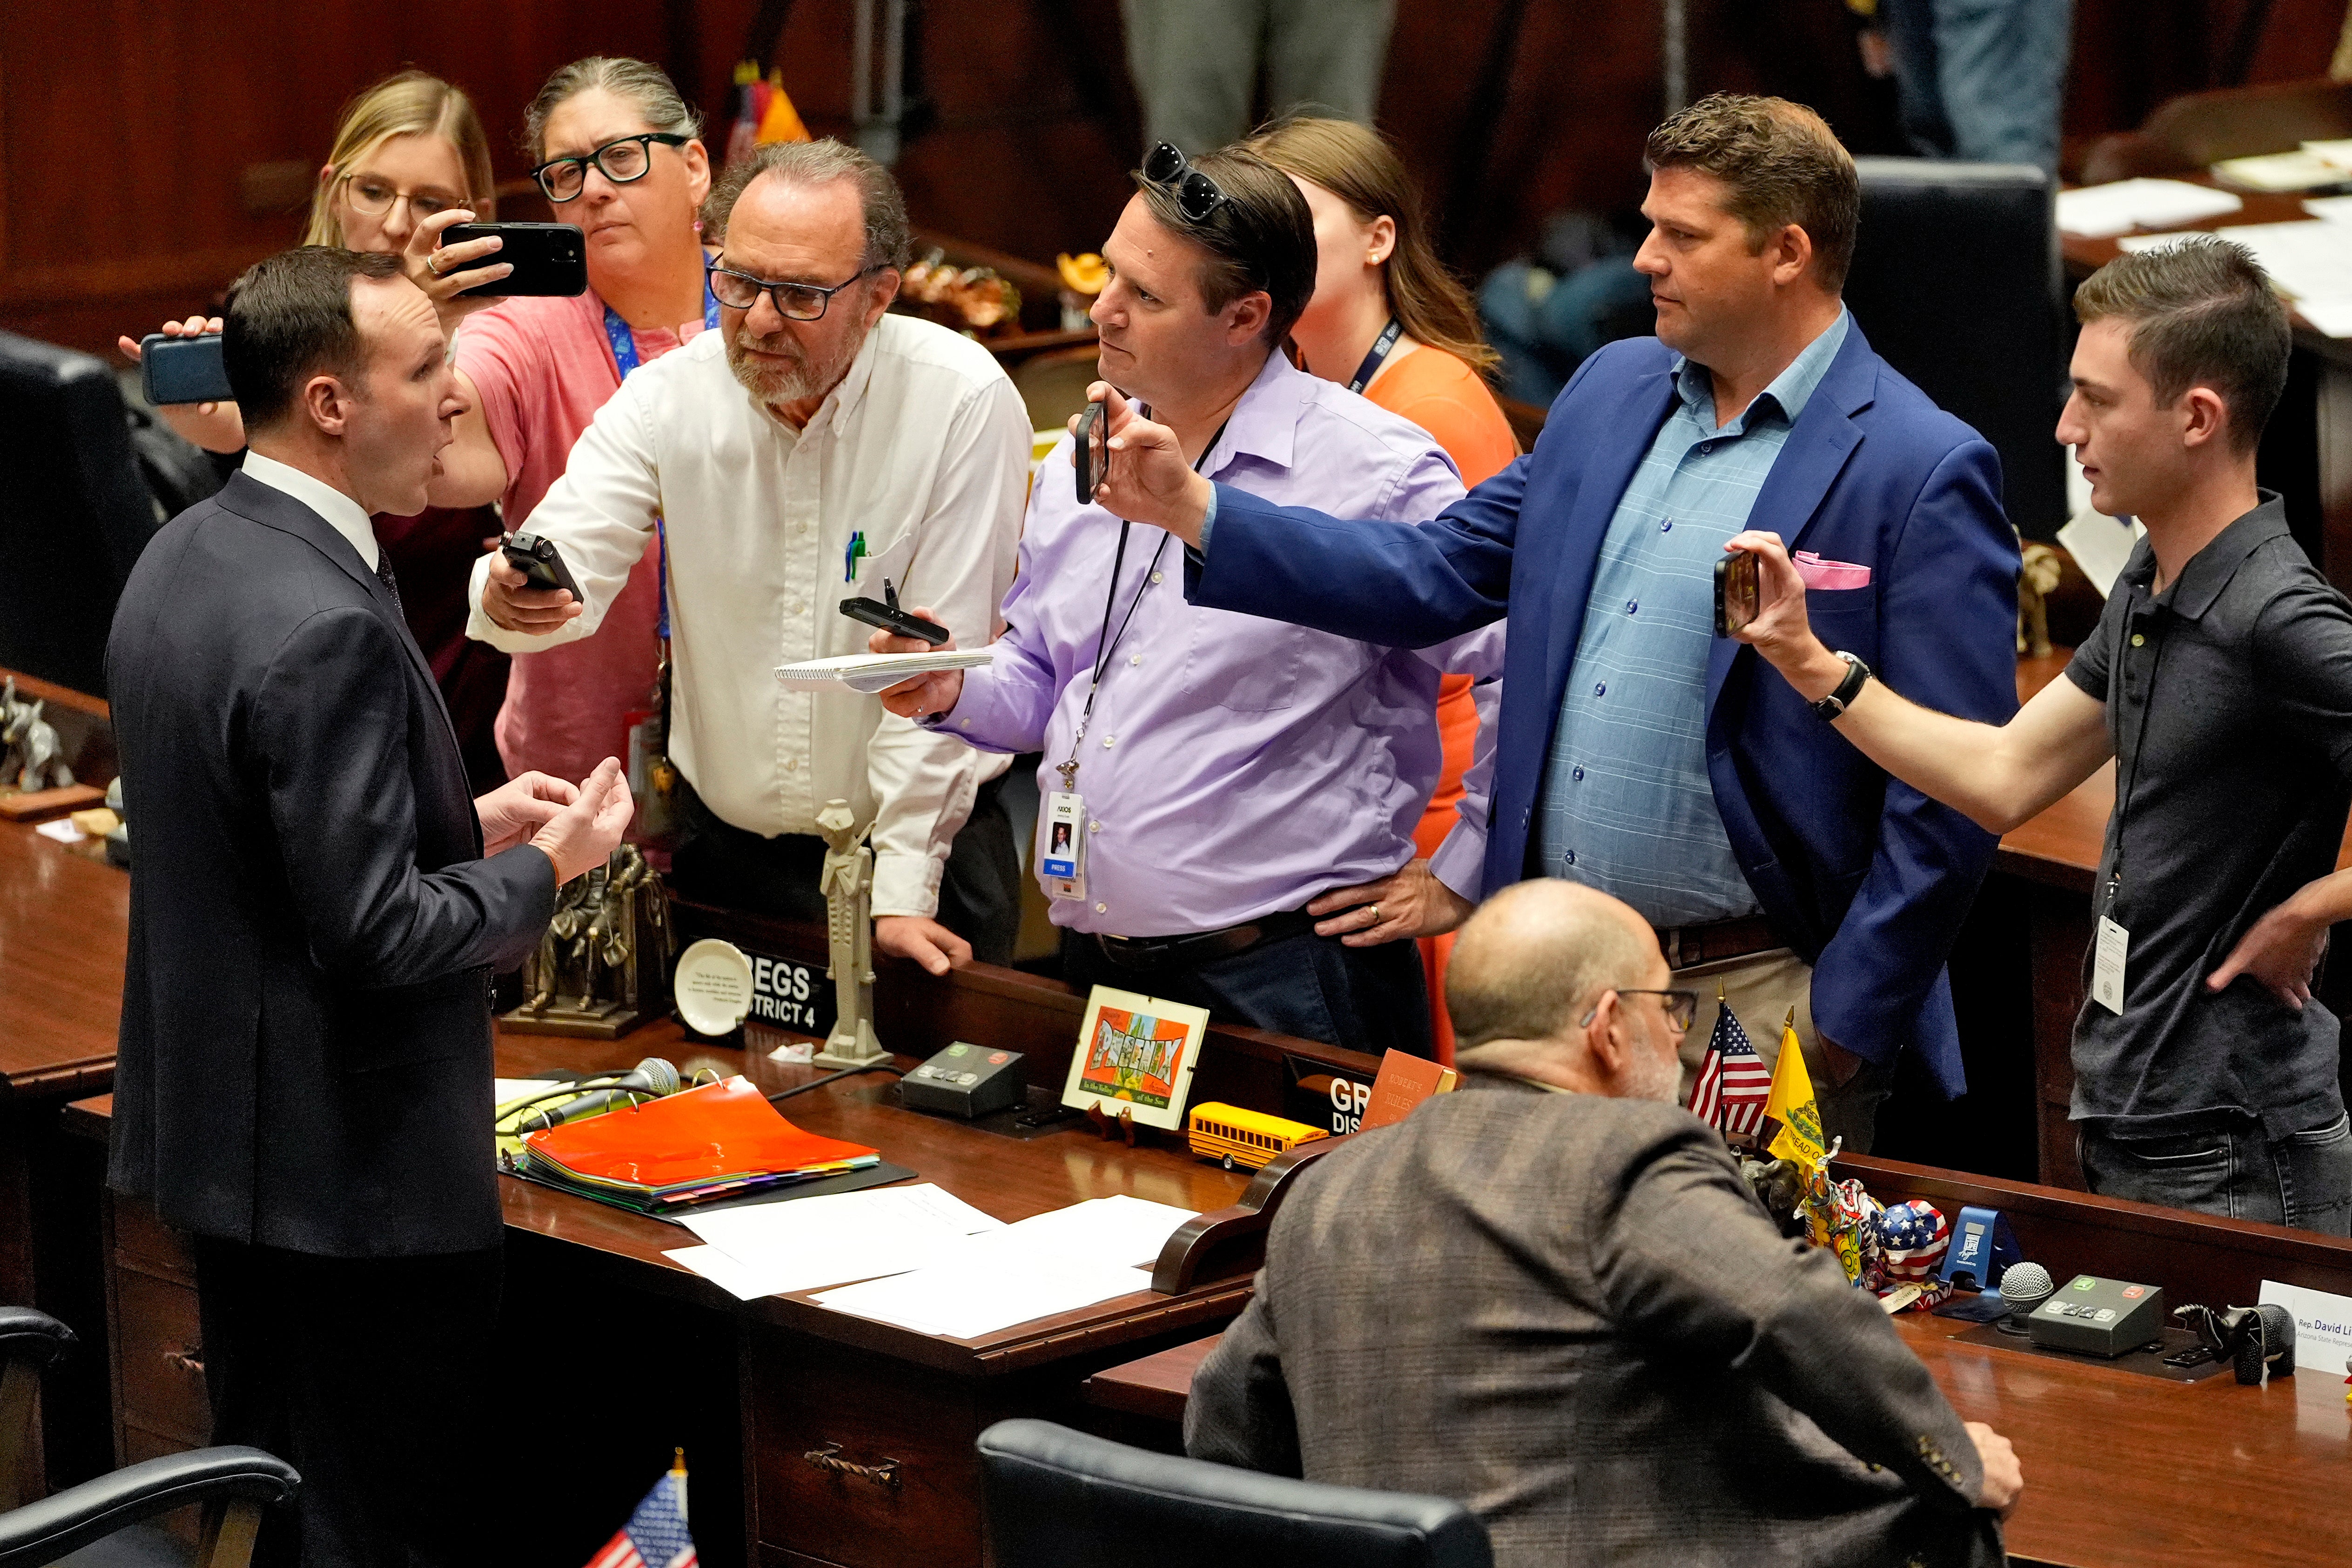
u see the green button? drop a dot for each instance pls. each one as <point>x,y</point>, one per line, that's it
<point>2086,1283</point>
<point>2137,639</point>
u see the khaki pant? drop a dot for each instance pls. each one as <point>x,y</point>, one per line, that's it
<point>1760,989</point>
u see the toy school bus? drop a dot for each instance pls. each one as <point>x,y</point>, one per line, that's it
<point>1238,1137</point>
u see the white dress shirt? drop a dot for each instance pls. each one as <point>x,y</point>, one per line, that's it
<point>924,448</point>
<point>343,514</point>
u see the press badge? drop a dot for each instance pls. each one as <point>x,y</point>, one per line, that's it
<point>2107,966</point>
<point>1063,865</point>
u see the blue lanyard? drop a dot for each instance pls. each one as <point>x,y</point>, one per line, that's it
<point>625,357</point>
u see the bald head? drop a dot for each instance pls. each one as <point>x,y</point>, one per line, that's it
<point>1533,959</point>
<point>1532,990</point>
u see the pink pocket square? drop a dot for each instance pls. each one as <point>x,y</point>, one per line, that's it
<point>1819,573</point>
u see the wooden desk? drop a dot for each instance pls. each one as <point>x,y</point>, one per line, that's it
<point>753,1388</point>
<point>2121,1470</point>
<point>64,913</point>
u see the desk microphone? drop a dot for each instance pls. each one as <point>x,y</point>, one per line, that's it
<point>2023,1286</point>
<point>652,1077</point>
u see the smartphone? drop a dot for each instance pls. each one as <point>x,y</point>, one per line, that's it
<point>1737,592</point>
<point>1087,457</point>
<point>550,259</point>
<point>535,556</point>
<point>183,370</point>
<point>885,612</point>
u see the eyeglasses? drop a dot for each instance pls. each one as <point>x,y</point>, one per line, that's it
<point>371,195</point>
<point>623,161</point>
<point>1196,195</point>
<point>794,301</point>
<point>1681,1008</point>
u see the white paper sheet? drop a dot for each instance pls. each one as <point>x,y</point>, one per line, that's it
<point>2310,259</point>
<point>2334,210</point>
<point>872,672</point>
<point>798,1243</point>
<point>2099,211</point>
<point>2333,317</point>
<point>1052,1262</point>
<point>2296,171</point>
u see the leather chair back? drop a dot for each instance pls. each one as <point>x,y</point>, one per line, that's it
<point>75,515</point>
<point>1060,1498</point>
<point>1958,283</point>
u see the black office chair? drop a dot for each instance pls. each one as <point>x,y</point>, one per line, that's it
<point>1956,281</point>
<point>1059,1499</point>
<point>234,1483</point>
<point>74,511</point>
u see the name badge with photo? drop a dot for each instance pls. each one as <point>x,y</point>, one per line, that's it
<point>1062,861</point>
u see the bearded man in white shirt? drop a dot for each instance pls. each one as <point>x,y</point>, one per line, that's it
<point>766,452</point>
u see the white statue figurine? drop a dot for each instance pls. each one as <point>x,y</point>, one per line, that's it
<point>847,882</point>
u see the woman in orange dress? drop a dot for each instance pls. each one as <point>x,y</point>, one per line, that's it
<point>1387,319</point>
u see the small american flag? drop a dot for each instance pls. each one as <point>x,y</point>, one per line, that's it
<point>656,1535</point>
<point>1732,1082</point>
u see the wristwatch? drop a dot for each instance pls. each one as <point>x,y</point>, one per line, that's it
<point>1837,702</point>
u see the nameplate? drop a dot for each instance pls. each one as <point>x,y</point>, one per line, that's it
<point>1321,1095</point>
<point>2323,1326</point>
<point>790,994</point>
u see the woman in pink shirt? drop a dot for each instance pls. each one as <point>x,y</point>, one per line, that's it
<point>618,154</point>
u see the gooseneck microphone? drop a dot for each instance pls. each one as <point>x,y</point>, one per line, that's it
<point>2023,1286</point>
<point>650,1079</point>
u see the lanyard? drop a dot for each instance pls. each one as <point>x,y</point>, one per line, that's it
<point>1378,357</point>
<point>624,359</point>
<point>1106,641</point>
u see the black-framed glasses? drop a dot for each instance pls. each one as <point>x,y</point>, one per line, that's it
<point>623,161</point>
<point>794,301</point>
<point>1196,195</point>
<point>1680,1006</point>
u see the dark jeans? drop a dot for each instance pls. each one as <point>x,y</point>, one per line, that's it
<point>1369,999</point>
<point>2304,1180</point>
<point>372,1377</point>
<point>980,893</point>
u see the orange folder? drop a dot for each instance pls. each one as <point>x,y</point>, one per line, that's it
<point>719,1130</point>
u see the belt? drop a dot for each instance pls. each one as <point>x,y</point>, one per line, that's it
<point>1687,947</point>
<point>1160,954</point>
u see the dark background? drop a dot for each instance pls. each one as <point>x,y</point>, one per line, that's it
<point>150,149</point>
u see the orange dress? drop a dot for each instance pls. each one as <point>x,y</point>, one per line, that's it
<point>1440,393</point>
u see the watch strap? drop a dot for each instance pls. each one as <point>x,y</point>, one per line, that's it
<point>1837,702</point>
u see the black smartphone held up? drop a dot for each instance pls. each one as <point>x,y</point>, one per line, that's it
<point>1089,456</point>
<point>550,259</point>
<point>1739,592</point>
<point>535,556</point>
<point>891,618</point>
<point>183,370</point>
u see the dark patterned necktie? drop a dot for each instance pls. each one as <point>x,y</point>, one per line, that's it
<point>391,584</point>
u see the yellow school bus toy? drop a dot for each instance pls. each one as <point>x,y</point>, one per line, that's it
<point>1238,1137</point>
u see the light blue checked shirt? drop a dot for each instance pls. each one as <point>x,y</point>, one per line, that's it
<point>1626,804</point>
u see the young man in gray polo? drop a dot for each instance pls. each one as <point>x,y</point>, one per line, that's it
<point>2220,679</point>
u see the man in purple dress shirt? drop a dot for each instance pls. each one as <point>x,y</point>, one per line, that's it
<point>1220,771</point>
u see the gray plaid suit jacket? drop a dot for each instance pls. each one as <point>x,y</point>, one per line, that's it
<point>1567,1311</point>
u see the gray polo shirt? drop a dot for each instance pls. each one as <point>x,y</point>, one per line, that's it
<point>2229,700</point>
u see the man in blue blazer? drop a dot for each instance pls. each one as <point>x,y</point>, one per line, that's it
<point>1780,867</point>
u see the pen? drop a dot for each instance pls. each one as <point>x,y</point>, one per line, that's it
<point>851,557</point>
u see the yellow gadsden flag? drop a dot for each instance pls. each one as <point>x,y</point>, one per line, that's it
<point>1792,1103</point>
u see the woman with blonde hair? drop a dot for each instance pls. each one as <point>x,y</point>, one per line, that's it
<point>1388,320</point>
<point>408,152</point>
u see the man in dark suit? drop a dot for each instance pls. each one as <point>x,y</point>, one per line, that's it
<point>1551,1296</point>
<point>316,912</point>
<point>1638,752</point>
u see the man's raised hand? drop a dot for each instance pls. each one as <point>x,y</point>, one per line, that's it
<point>1147,478</point>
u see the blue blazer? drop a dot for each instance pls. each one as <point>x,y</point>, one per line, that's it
<point>1863,876</point>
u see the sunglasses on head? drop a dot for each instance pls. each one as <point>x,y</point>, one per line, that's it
<point>1196,195</point>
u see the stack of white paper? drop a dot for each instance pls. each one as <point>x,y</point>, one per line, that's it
<point>2099,211</point>
<point>872,672</point>
<point>799,1244</point>
<point>1055,1262</point>
<point>2302,170</point>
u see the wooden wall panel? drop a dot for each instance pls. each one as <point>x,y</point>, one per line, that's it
<point>127,127</point>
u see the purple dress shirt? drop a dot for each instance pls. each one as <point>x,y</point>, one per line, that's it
<point>1233,766</point>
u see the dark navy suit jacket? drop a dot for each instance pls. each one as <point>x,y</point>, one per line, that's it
<point>1863,876</point>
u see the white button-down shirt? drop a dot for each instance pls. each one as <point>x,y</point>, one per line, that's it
<point>343,514</point>
<point>924,448</point>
